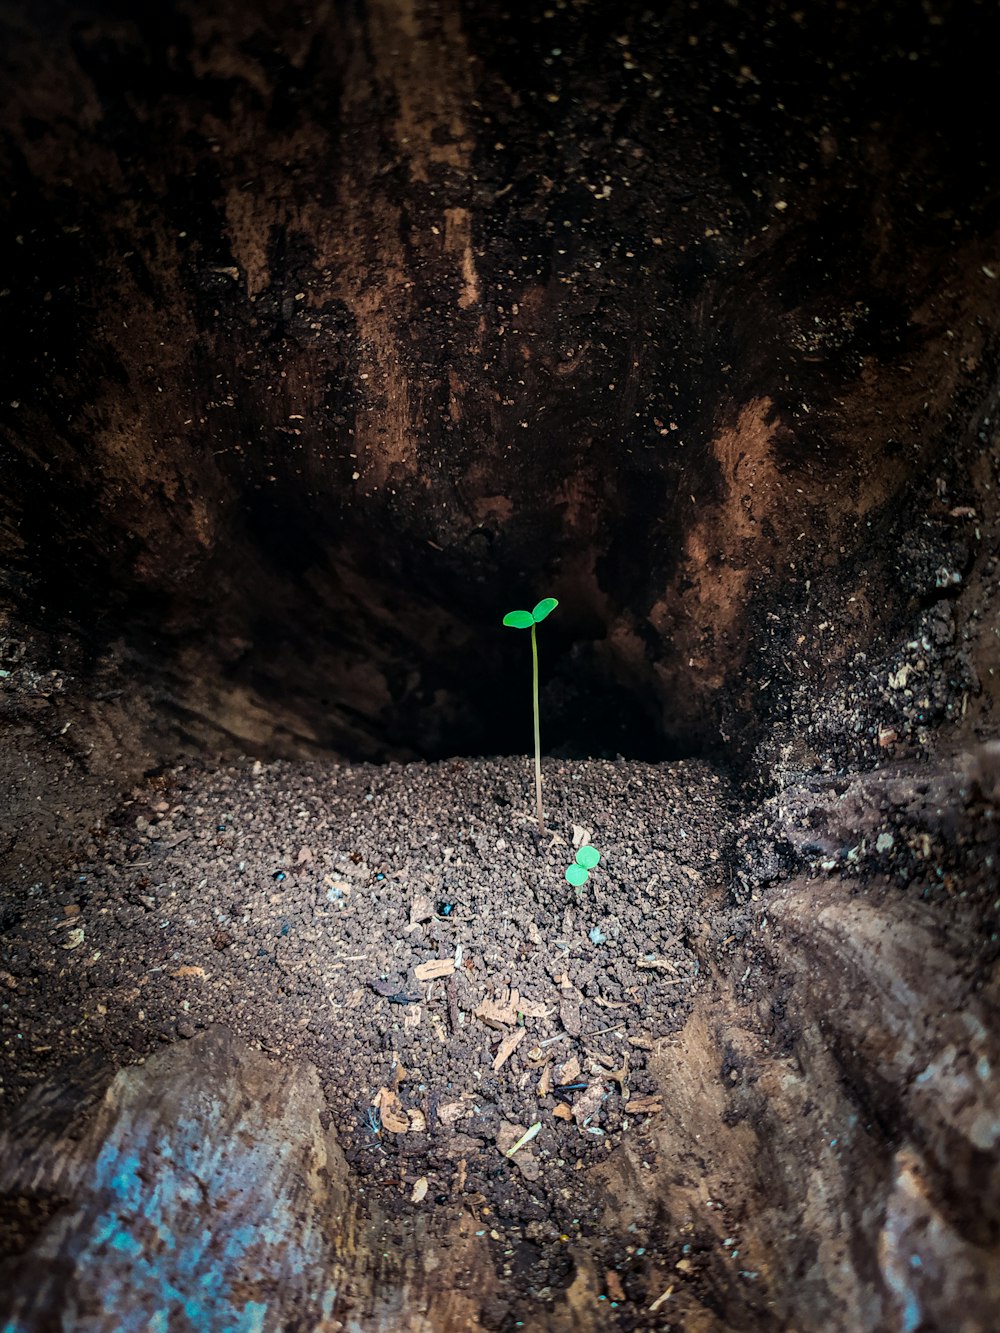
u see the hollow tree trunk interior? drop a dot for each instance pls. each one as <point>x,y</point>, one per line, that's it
<point>335,330</point>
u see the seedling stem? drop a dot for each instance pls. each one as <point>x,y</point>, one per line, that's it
<point>528,620</point>
<point>538,736</point>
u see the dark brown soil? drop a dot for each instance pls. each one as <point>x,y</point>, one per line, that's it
<point>292,903</point>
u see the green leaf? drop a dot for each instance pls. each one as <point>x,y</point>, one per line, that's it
<point>518,619</point>
<point>576,875</point>
<point>543,608</point>
<point>588,857</point>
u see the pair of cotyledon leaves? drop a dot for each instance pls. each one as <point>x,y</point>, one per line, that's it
<point>578,872</point>
<point>525,619</point>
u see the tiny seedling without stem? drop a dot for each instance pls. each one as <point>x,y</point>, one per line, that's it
<point>528,620</point>
<point>579,872</point>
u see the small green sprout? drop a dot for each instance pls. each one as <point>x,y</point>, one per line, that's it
<point>579,872</point>
<point>528,620</point>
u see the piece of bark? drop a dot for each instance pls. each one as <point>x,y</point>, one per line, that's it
<point>160,1164</point>
<point>452,994</point>
<point>498,1012</point>
<point>586,1105</point>
<point>391,1112</point>
<point>127,1177</point>
<point>438,967</point>
<point>507,1047</point>
<point>643,1105</point>
<point>569,1016</point>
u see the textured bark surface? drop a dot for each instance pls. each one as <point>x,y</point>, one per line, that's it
<point>851,1159</point>
<point>341,328</point>
<point>204,1192</point>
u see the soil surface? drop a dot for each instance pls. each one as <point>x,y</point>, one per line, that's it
<point>403,929</point>
<point>305,905</point>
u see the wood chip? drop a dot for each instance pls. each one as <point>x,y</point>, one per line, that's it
<point>501,1010</point>
<point>613,1286</point>
<point>412,1015</point>
<point>505,1007</point>
<point>495,1014</point>
<point>419,1192</point>
<point>568,1072</point>
<point>189,972</point>
<point>439,967</point>
<point>545,1082</point>
<point>619,1076</point>
<point>508,1046</point>
<point>586,1105</point>
<point>564,1111</point>
<point>421,909</point>
<point>418,1121</point>
<point>664,964</point>
<point>452,1111</point>
<point>390,1109</point>
<point>569,1016</point>
<point>644,1105</point>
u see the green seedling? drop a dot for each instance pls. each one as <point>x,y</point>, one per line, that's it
<point>579,872</point>
<point>528,620</point>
